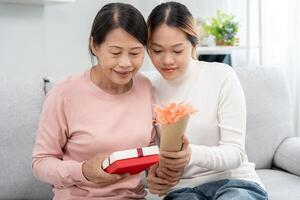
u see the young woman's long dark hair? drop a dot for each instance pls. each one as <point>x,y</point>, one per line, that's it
<point>177,15</point>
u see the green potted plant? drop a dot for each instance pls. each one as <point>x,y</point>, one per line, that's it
<point>223,27</point>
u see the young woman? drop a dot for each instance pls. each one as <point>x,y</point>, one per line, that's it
<point>104,109</point>
<point>214,165</point>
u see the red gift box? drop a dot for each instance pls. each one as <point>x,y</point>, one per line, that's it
<point>131,161</point>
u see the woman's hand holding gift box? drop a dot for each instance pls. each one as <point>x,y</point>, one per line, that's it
<point>93,172</point>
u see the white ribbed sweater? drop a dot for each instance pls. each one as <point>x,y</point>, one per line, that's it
<point>217,131</point>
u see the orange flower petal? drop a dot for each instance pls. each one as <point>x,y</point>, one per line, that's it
<point>172,112</point>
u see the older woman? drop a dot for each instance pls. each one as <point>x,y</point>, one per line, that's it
<point>106,108</point>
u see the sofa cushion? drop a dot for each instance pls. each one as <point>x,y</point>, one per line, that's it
<point>269,117</point>
<point>287,155</point>
<point>280,185</point>
<point>21,100</point>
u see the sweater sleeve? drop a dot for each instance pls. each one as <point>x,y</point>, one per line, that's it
<point>230,151</point>
<point>47,163</point>
<point>154,127</point>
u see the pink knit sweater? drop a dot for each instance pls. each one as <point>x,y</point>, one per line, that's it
<point>79,121</point>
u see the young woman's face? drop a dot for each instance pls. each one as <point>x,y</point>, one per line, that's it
<point>120,56</point>
<point>170,51</point>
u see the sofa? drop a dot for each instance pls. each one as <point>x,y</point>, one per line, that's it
<point>269,142</point>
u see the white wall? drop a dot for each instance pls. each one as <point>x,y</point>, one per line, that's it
<point>208,8</point>
<point>50,40</point>
<point>53,40</point>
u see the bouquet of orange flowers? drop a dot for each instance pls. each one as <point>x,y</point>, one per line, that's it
<point>172,120</point>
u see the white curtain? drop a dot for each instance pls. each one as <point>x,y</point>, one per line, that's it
<point>281,45</point>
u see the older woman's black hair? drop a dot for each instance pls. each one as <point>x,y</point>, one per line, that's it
<point>119,15</point>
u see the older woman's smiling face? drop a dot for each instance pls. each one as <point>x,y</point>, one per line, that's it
<point>120,56</point>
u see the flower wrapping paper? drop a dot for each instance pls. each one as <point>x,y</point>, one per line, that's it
<point>172,120</point>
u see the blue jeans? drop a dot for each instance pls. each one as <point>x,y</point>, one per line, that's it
<point>227,189</point>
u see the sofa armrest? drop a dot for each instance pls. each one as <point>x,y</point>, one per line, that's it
<point>287,156</point>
